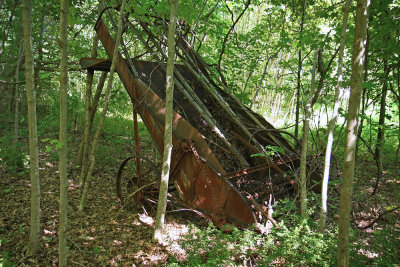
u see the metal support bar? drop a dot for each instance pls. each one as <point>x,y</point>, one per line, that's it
<point>137,145</point>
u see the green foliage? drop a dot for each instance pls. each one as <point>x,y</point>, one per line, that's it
<point>52,144</point>
<point>270,151</point>
<point>212,247</point>
<point>386,244</point>
<point>297,245</point>
<point>384,250</point>
<point>12,159</point>
<point>5,255</point>
<point>96,250</point>
<point>5,259</point>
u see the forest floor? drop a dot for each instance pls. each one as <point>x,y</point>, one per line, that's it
<point>105,234</point>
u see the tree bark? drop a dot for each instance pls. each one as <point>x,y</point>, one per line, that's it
<point>364,96</point>
<point>85,144</point>
<point>332,122</point>
<point>63,43</point>
<point>82,156</point>
<point>39,64</point>
<point>398,111</point>
<point>96,98</point>
<point>304,146</point>
<point>300,66</point>
<point>398,144</point>
<point>381,125</point>
<point>106,102</point>
<point>16,97</point>
<point>34,234</point>
<point>323,71</point>
<point>162,198</point>
<point>360,36</point>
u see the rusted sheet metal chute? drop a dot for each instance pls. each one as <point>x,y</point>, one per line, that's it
<point>197,172</point>
<point>200,177</point>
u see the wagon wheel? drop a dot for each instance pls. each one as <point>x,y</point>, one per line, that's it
<point>128,186</point>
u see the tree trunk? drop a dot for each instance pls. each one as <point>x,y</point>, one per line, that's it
<point>304,146</point>
<point>299,70</point>
<point>16,97</point>
<point>97,95</point>
<point>82,156</point>
<point>85,144</point>
<point>364,96</point>
<point>162,198</point>
<point>398,144</point>
<point>34,234</point>
<point>106,102</point>
<point>40,54</point>
<point>332,122</point>
<point>398,112</point>
<point>85,135</point>
<point>381,126</point>
<point>360,36</point>
<point>63,43</point>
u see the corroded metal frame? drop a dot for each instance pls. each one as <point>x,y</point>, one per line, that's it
<point>198,178</point>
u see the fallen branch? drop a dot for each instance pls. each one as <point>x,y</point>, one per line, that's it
<point>267,215</point>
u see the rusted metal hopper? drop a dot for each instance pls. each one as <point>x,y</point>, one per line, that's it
<point>214,136</point>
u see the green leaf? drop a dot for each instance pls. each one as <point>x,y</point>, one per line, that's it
<point>45,75</point>
<point>54,141</point>
<point>72,20</point>
<point>96,250</point>
<point>59,145</point>
<point>367,85</point>
<point>258,155</point>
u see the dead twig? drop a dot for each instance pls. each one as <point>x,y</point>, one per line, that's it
<point>267,215</point>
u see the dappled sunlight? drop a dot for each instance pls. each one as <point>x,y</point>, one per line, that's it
<point>144,218</point>
<point>72,185</point>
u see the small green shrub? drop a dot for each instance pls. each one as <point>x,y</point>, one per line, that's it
<point>212,247</point>
<point>12,159</point>
<point>5,259</point>
<point>297,245</point>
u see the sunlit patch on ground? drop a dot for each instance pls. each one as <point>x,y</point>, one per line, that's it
<point>144,218</point>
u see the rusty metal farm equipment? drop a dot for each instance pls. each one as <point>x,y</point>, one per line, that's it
<point>215,137</point>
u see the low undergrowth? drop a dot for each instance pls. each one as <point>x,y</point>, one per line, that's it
<point>296,243</point>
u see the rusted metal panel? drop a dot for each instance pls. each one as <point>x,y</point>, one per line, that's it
<point>199,179</point>
<point>95,64</point>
